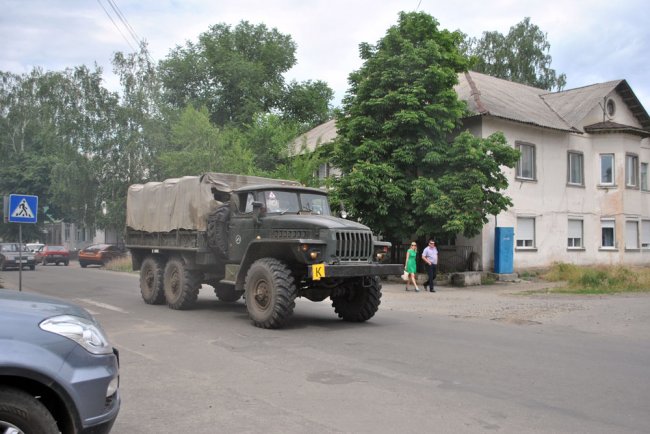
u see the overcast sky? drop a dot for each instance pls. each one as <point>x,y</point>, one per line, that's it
<point>592,41</point>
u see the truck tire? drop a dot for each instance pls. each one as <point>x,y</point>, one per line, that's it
<point>357,303</point>
<point>21,411</point>
<point>217,230</point>
<point>270,293</point>
<point>151,280</point>
<point>225,292</point>
<point>181,286</point>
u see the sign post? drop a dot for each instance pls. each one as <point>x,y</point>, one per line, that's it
<point>22,209</point>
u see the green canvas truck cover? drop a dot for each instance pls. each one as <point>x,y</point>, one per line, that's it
<point>184,203</point>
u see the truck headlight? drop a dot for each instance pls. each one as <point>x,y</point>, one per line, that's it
<point>82,331</point>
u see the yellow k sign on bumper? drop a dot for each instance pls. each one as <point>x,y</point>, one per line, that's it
<point>317,271</point>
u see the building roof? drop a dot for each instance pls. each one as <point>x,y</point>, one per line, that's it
<point>486,95</point>
<point>324,133</point>
<point>491,96</point>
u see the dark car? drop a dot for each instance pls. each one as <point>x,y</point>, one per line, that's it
<point>99,254</point>
<point>52,255</point>
<point>11,256</point>
<point>58,371</point>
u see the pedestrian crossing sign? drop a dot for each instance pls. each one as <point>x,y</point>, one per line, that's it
<point>22,208</point>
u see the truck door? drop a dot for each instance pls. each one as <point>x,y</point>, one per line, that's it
<point>242,228</point>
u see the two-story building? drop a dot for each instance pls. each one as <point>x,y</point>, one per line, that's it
<point>580,189</point>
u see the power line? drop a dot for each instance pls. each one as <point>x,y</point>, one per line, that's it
<point>125,22</point>
<point>116,26</point>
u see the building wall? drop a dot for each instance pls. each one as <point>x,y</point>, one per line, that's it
<point>551,201</point>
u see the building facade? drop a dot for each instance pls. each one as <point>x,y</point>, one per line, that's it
<point>580,190</point>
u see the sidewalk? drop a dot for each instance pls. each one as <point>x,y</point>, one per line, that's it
<point>526,303</point>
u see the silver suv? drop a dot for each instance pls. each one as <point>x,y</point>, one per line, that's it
<point>58,372</point>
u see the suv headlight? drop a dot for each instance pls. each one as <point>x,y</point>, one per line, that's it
<point>84,332</point>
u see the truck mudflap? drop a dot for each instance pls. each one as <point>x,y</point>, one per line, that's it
<point>321,271</point>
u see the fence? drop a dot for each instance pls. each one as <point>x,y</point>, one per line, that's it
<point>450,258</point>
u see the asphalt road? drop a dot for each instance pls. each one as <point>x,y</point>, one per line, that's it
<point>405,371</point>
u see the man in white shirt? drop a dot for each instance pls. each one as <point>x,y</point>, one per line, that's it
<point>430,258</point>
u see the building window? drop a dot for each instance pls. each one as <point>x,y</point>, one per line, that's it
<point>525,232</point>
<point>645,234</point>
<point>644,176</point>
<point>323,171</point>
<point>576,169</point>
<point>526,163</point>
<point>611,107</point>
<point>631,171</point>
<point>631,234</point>
<point>575,234</point>
<point>607,169</point>
<point>608,234</point>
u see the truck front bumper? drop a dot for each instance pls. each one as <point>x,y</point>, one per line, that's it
<point>321,271</point>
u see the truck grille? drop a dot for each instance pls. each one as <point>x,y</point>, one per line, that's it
<point>353,245</point>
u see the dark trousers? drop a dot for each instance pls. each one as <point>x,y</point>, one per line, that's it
<point>431,269</point>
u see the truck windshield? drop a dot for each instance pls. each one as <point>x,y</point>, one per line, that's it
<point>282,201</point>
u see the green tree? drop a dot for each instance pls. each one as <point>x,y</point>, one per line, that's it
<point>307,103</point>
<point>127,153</point>
<point>50,122</point>
<point>238,73</point>
<point>398,165</point>
<point>521,56</point>
<point>198,147</point>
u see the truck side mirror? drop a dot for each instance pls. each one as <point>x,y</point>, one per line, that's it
<point>258,211</point>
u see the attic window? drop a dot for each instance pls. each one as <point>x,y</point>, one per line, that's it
<point>611,107</point>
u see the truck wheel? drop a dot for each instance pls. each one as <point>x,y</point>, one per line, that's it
<point>22,413</point>
<point>225,292</point>
<point>181,285</point>
<point>151,280</point>
<point>357,303</point>
<point>217,230</point>
<point>270,293</point>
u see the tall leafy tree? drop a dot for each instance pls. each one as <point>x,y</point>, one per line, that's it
<point>127,153</point>
<point>238,73</point>
<point>198,146</point>
<point>521,56</point>
<point>50,121</point>
<point>400,173</point>
<point>307,103</point>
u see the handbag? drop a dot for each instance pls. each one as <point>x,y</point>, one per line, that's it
<point>405,276</point>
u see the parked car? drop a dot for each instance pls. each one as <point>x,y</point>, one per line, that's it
<point>58,371</point>
<point>52,255</point>
<point>12,257</point>
<point>34,247</point>
<point>99,254</point>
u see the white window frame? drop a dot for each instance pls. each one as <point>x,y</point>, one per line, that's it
<point>525,236</point>
<point>645,234</point>
<point>632,235</point>
<point>605,226</point>
<point>632,170</point>
<point>531,154</point>
<point>644,176</point>
<point>575,234</point>
<point>603,181</point>
<point>573,159</point>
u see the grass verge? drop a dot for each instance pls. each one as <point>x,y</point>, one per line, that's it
<point>120,264</point>
<point>598,279</point>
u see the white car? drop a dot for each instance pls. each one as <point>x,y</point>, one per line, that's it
<point>34,247</point>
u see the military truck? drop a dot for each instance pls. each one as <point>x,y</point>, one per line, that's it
<point>267,240</point>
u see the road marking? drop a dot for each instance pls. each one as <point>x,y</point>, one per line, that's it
<point>104,305</point>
